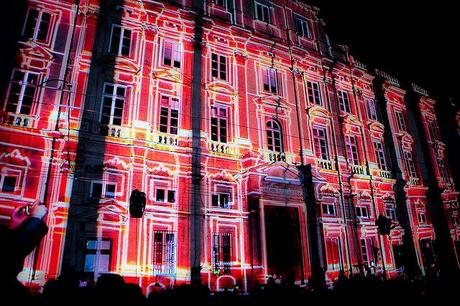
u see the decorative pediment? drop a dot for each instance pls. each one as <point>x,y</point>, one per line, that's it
<point>329,190</point>
<point>272,100</point>
<point>168,74</point>
<point>351,119</point>
<point>318,111</point>
<point>15,158</point>
<point>161,170</point>
<point>376,127</point>
<point>222,87</point>
<point>387,197</point>
<point>224,175</point>
<point>41,56</point>
<point>116,163</point>
<point>407,139</point>
<point>364,195</point>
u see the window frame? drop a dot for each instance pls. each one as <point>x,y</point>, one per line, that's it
<point>344,101</point>
<point>98,252</point>
<point>114,97</point>
<point>168,261</point>
<point>219,124</point>
<point>35,31</point>
<point>274,136</point>
<point>219,66</point>
<point>219,254</point>
<point>352,149</point>
<point>314,94</point>
<point>119,46</point>
<point>270,80</point>
<point>321,142</point>
<point>175,56</point>
<point>265,11</point>
<point>401,121</point>
<point>24,84</point>
<point>380,155</point>
<point>302,25</point>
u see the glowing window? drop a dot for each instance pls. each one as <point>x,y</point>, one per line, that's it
<point>269,78</point>
<point>219,66</point>
<point>222,252</point>
<point>380,154</point>
<point>352,149</point>
<point>113,100</point>
<point>164,253</point>
<point>9,183</point>
<point>98,255</point>
<point>169,115</point>
<point>171,54</point>
<point>22,92</point>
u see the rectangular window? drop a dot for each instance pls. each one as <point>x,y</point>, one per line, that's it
<point>320,141</point>
<point>110,190</point>
<point>222,252</point>
<point>333,253</point>
<point>410,165</point>
<point>367,251</point>
<point>344,101</point>
<point>442,169</point>
<point>219,66</point>
<point>302,27</point>
<point>37,25</point>
<point>164,253</point>
<point>169,115</point>
<point>120,40</point>
<point>219,124</point>
<point>421,217</point>
<point>113,101</point>
<point>371,109</point>
<point>380,155</point>
<point>9,184</point>
<point>222,3</point>
<point>401,121</point>
<point>352,150</point>
<point>160,196</point>
<point>221,200</point>
<point>269,78</point>
<point>433,130</point>
<point>390,212</point>
<point>328,209</point>
<point>262,12</point>
<point>97,255</point>
<point>22,92</point>
<point>314,93</point>
<point>171,54</point>
<point>171,196</point>
<point>362,212</point>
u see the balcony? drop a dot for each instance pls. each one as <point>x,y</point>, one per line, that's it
<point>164,140</point>
<point>19,120</point>
<point>115,131</point>
<point>325,164</point>
<point>272,156</point>
<point>222,148</point>
<point>385,174</point>
<point>359,169</point>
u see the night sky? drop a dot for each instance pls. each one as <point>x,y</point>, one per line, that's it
<point>413,40</point>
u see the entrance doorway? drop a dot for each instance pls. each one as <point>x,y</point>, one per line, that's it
<point>284,253</point>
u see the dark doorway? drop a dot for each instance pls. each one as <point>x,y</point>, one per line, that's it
<point>398,253</point>
<point>284,252</point>
<point>426,247</point>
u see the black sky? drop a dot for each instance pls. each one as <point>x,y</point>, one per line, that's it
<point>413,40</point>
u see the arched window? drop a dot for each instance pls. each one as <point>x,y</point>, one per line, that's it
<point>274,136</point>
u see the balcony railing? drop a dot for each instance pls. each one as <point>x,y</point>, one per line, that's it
<point>272,156</point>
<point>164,139</point>
<point>20,120</point>
<point>359,169</point>
<point>115,131</point>
<point>414,180</point>
<point>222,148</point>
<point>385,174</point>
<point>325,164</point>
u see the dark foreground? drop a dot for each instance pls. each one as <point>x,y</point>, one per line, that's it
<point>111,289</point>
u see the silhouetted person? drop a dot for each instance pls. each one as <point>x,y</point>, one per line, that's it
<point>24,233</point>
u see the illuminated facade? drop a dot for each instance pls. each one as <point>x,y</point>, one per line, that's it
<point>208,108</point>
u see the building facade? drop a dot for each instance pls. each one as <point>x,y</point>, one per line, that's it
<point>213,108</point>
